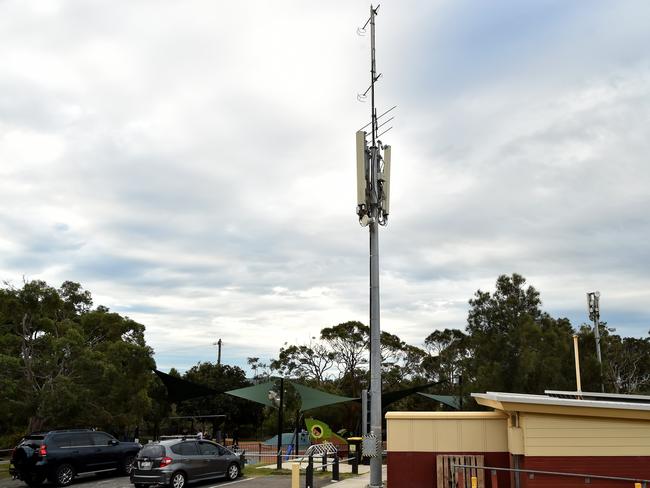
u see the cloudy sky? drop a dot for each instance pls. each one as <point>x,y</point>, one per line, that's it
<point>192,162</point>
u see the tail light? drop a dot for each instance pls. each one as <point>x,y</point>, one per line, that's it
<point>166,461</point>
<point>42,450</point>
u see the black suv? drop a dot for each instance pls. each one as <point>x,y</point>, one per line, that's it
<point>59,455</point>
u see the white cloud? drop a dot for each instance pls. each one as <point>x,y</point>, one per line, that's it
<point>192,163</point>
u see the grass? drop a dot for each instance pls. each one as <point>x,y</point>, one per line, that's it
<point>4,471</point>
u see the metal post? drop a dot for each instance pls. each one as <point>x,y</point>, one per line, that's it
<point>494,478</point>
<point>335,469</point>
<point>373,211</point>
<point>309,473</point>
<point>355,461</point>
<point>364,412</point>
<point>593,299</point>
<point>460,478</point>
<point>324,461</point>
<point>280,422</point>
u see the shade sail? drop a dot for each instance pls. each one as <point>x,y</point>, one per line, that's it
<point>179,389</point>
<point>256,393</point>
<point>449,400</point>
<point>393,396</point>
<point>313,398</point>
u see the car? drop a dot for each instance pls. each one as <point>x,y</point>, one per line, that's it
<point>177,462</point>
<point>60,455</point>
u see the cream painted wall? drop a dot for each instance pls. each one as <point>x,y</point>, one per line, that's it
<point>447,432</point>
<point>564,435</point>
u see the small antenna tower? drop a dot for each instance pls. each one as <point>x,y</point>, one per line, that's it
<point>373,207</point>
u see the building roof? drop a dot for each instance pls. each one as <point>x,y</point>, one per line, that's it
<point>569,403</point>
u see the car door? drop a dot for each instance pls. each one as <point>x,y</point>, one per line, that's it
<point>210,458</point>
<point>82,451</point>
<point>189,459</point>
<point>105,451</point>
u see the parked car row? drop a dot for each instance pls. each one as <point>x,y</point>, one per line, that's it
<point>60,455</point>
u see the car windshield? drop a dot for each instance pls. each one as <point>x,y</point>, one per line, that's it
<point>153,451</point>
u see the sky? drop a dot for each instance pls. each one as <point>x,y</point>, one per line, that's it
<point>192,163</point>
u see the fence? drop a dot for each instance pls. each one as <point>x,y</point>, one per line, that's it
<point>464,476</point>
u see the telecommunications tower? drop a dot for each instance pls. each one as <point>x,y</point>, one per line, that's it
<point>373,204</point>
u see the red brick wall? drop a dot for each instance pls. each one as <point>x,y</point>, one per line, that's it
<point>623,466</point>
<point>418,469</point>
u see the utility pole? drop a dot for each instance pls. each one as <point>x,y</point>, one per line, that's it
<point>593,305</point>
<point>373,180</point>
<point>280,424</point>
<point>218,344</point>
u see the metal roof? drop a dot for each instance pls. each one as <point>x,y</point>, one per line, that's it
<point>570,399</point>
<point>597,396</point>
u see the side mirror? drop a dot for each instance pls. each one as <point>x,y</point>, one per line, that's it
<point>113,442</point>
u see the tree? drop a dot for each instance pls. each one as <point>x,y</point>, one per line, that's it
<point>447,355</point>
<point>311,362</point>
<point>65,364</point>
<point>241,414</point>
<point>514,345</point>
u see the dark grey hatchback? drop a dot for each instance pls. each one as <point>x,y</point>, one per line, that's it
<point>176,462</point>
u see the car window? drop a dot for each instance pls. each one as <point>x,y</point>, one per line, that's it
<point>32,440</point>
<point>60,440</point>
<point>100,438</point>
<point>209,449</point>
<point>186,449</point>
<point>152,451</point>
<point>80,440</point>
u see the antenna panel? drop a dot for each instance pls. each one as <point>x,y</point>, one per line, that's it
<point>361,168</point>
<point>386,185</point>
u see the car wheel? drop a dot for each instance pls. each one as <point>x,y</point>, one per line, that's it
<point>33,479</point>
<point>178,480</point>
<point>233,472</point>
<point>127,465</point>
<point>64,475</point>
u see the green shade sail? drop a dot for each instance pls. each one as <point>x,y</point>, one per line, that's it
<point>449,400</point>
<point>313,398</point>
<point>256,393</point>
<point>179,389</point>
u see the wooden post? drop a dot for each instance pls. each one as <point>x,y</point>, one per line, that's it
<point>295,475</point>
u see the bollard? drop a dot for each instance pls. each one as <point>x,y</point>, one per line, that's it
<point>295,475</point>
<point>355,464</point>
<point>324,461</point>
<point>335,469</point>
<point>460,478</point>
<point>637,485</point>
<point>309,474</point>
<point>474,482</point>
<point>495,479</point>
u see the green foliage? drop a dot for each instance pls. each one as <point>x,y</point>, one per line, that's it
<point>514,345</point>
<point>65,364</point>
<point>241,415</point>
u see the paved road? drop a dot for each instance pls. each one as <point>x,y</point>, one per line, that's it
<point>92,481</point>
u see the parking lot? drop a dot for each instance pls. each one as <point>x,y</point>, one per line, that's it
<point>274,481</point>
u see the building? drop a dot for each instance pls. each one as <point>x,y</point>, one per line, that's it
<point>579,436</point>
